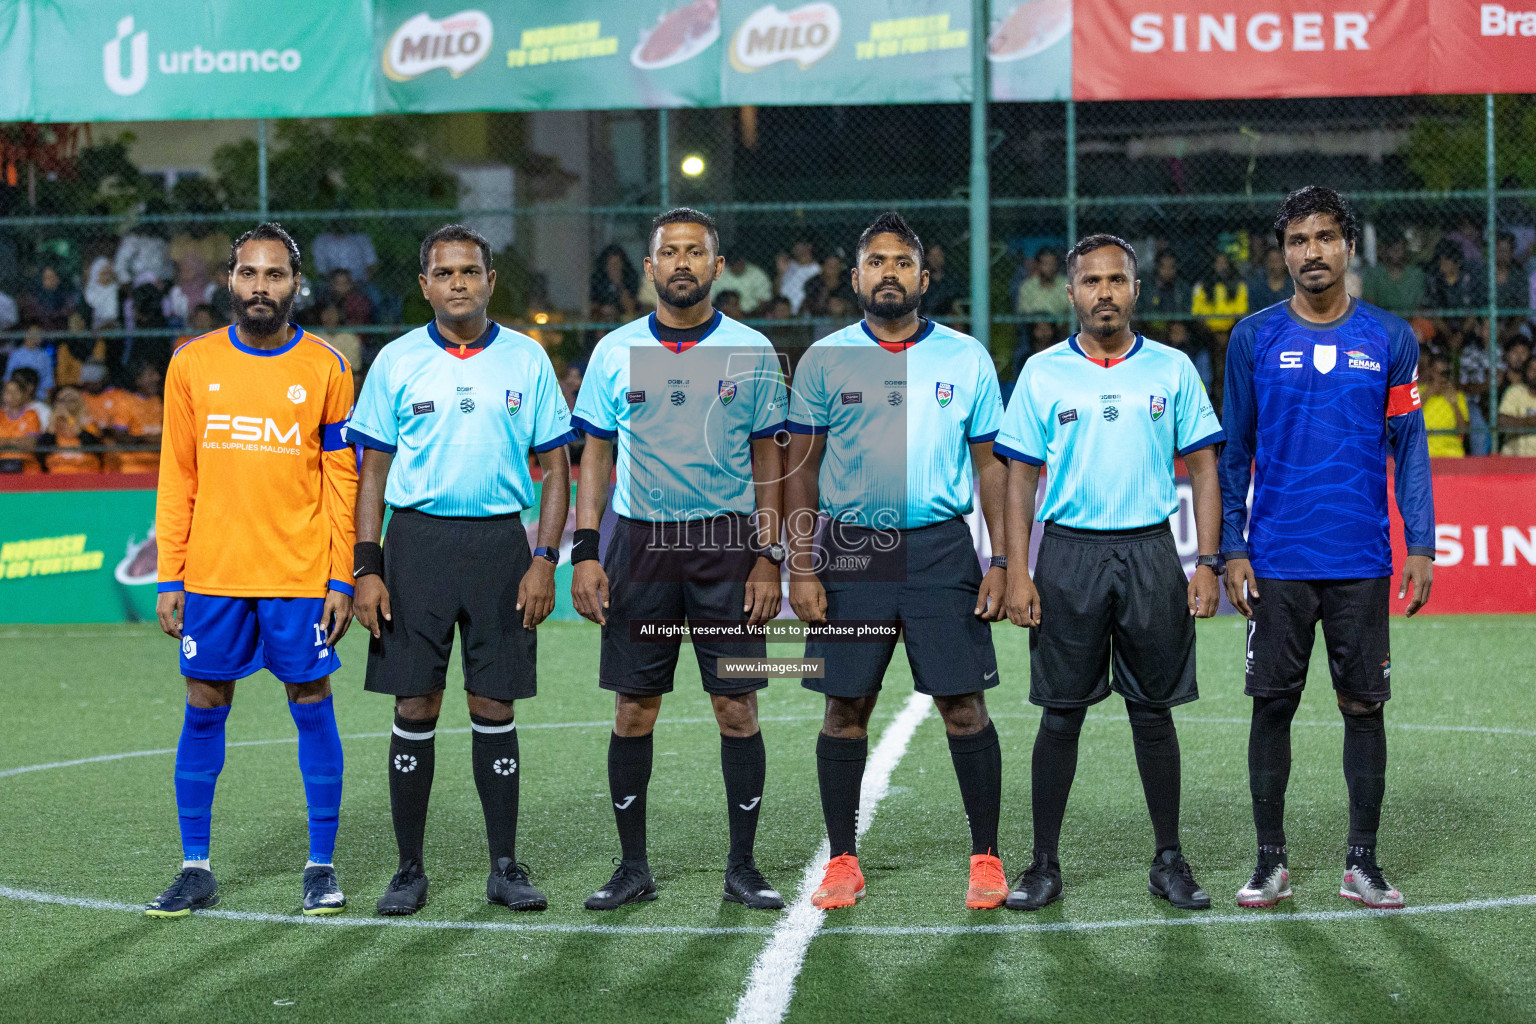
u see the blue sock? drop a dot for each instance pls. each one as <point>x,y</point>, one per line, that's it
<point>199,758</point>
<point>320,764</point>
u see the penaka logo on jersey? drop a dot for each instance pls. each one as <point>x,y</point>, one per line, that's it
<point>1263,32</point>
<point>252,433</point>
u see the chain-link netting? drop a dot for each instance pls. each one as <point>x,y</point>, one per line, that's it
<point>113,240</point>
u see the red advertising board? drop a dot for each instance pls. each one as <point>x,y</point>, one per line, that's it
<point>1485,536</point>
<point>1483,47</point>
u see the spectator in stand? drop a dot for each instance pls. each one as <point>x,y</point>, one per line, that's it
<point>728,301</point>
<point>749,281</point>
<point>1392,284</point>
<point>352,305</point>
<point>1044,291</point>
<point>1190,337</point>
<point>830,293</point>
<point>194,287</point>
<point>789,338</point>
<point>1446,415</point>
<point>570,387</point>
<point>344,341</point>
<point>1512,286</point>
<point>1271,283</point>
<point>338,248</point>
<point>136,422</point>
<point>28,379</point>
<point>9,313</point>
<point>49,301</point>
<point>795,270</point>
<point>1037,337</point>
<point>1517,412</point>
<point>102,296</point>
<point>1221,298</point>
<point>59,446</point>
<point>19,428</point>
<point>100,397</point>
<point>1447,284</point>
<point>943,288</point>
<point>35,354</point>
<point>1468,239</point>
<point>1164,292</point>
<point>1517,352</point>
<point>201,240</point>
<point>615,283</point>
<point>143,256</point>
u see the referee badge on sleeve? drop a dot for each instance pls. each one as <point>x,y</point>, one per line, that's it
<point>1159,406</point>
<point>514,402</point>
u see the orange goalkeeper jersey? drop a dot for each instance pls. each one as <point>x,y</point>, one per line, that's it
<point>256,481</point>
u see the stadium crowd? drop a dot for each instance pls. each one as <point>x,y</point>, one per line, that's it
<point>82,383</point>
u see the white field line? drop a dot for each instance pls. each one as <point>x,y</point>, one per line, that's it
<point>605,723</point>
<point>771,985</point>
<point>872,931</point>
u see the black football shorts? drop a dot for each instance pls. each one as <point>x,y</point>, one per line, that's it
<point>1354,614</point>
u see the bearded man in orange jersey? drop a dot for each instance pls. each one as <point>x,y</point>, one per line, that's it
<point>254,521</point>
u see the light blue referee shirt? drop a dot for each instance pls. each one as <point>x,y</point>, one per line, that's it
<point>461,429</point>
<point>684,417</point>
<point>898,424</point>
<point>1107,435</point>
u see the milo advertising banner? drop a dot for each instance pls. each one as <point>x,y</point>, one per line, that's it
<point>1029,49</point>
<point>525,55</point>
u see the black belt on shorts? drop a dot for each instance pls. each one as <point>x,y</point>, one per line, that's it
<point>683,522</point>
<point>892,529</point>
<point>456,519</point>
<point>1107,536</point>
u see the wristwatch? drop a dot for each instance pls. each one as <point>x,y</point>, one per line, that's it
<point>1215,563</point>
<point>775,553</point>
<point>998,562</point>
<point>552,554</point>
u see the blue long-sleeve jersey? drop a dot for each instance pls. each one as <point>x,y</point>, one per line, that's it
<point>1309,409</point>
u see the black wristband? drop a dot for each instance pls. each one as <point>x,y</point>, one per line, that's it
<point>367,560</point>
<point>584,547</point>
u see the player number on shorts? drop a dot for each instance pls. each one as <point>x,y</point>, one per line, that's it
<point>319,634</point>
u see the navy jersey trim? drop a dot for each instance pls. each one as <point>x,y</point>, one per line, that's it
<point>492,329</point>
<point>340,360</point>
<point>653,324</point>
<point>588,427</point>
<point>1015,455</point>
<point>1204,442</point>
<point>234,339</point>
<point>565,438</point>
<point>803,428</point>
<point>922,333</point>
<point>333,437</point>
<point>1135,347</point>
<point>355,436</point>
<point>768,431</point>
<point>983,439</point>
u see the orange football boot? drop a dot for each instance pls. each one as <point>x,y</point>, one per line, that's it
<point>842,885</point>
<point>989,886</point>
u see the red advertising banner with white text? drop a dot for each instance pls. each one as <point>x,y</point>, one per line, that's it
<point>1485,536</point>
<point>1179,49</point>
<point>1482,47</point>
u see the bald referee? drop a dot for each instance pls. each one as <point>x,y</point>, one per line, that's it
<point>447,417</point>
<point>1109,608</point>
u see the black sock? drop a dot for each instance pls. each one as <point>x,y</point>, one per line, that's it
<point>1365,771</point>
<point>629,773</point>
<point>493,750</point>
<point>978,762</point>
<point>744,764</point>
<point>1052,767</point>
<point>840,771</point>
<point>1269,765</point>
<point>411,760</point>
<point>1157,760</point>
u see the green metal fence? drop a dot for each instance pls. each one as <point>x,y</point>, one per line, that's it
<point>990,185</point>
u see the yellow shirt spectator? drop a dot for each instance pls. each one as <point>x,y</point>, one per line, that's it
<point>1446,413</point>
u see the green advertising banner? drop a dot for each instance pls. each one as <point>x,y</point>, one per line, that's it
<point>522,55</point>
<point>113,61</point>
<point>15,61</point>
<point>1029,46</point>
<point>90,556</point>
<point>850,51</point>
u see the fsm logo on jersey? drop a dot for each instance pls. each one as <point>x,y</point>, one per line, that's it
<point>196,61</point>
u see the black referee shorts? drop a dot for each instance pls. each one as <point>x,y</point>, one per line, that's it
<point>667,573</point>
<point>1354,614</point>
<point>1114,615</point>
<point>926,580</point>
<point>443,572</point>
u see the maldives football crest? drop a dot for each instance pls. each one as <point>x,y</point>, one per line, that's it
<point>514,402</point>
<point>1159,406</point>
<point>945,393</point>
<point>727,391</point>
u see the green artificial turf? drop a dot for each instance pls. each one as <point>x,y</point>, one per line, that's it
<point>1459,825</point>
